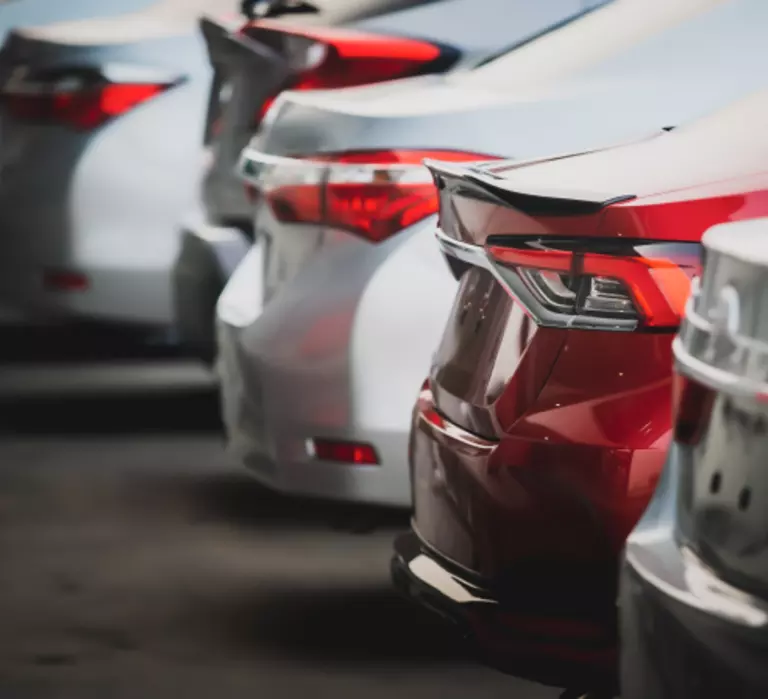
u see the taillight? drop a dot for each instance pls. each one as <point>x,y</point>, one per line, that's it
<point>79,99</point>
<point>374,194</point>
<point>356,453</point>
<point>691,409</point>
<point>329,57</point>
<point>610,285</point>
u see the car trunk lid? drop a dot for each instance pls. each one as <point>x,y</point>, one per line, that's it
<point>604,240</point>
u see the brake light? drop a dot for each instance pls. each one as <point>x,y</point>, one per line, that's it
<point>65,280</point>
<point>591,284</point>
<point>323,58</point>
<point>80,101</point>
<point>692,407</point>
<point>359,454</point>
<point>374,194</point>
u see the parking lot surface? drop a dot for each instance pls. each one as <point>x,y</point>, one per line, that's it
<point>136,560</point>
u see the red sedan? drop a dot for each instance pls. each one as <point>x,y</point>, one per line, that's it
<point>540,434</point>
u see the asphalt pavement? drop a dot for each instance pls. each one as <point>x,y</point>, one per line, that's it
<point>136,560</point>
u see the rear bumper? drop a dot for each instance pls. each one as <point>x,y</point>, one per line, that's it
<point>337,352</point>
<point>509,628</point>
<point>673,649</point>
<point>685,633</point>
<point>117,294</point>
<point>270,437</point>
<point>494,506</point>
<point>207,257</point>
<point>542,522</point>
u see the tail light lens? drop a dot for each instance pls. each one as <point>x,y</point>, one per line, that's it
<point>324,58</point>
<point>605,285</point>
<point>374,194</point>
<point>356,453</point>
<point>82,100</point>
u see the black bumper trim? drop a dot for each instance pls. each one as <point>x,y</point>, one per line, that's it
<point>505,632</point>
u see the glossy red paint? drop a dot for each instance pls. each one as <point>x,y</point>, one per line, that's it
<point>574,424</point>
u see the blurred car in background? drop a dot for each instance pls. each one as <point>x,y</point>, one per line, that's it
<point>341,44</point>
<point>542,430</point>
<point>694,592</point>
<point>99,156</point>
<point>328,326</point>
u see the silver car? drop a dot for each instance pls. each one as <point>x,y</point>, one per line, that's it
<point>694,580</point>
<point>327,328</point>
<point>347,42</point>
<point>100,128</point>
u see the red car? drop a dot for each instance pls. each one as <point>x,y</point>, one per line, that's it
<point>540,434</point>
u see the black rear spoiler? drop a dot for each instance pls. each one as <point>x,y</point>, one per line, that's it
<point>478,181</point>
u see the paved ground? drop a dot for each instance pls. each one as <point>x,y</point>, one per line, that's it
<point>135,561</point>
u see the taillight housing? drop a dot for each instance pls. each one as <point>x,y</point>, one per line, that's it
<point>598,284</point>
<point>321,58</point>
<point>373,194</point>
<point>82,99</point>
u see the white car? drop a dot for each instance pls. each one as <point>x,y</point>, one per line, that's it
<point>101,123</point>
<point>327,328</point>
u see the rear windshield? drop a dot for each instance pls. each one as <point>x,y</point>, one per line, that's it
<point>609,31</point>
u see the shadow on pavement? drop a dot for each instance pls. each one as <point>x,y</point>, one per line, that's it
<point>134,413</point>
<point>81,343</point>
<point>341,627</point>
<point>236,498</point>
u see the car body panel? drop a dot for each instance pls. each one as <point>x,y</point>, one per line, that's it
<point>285,382</point>
<point>514,110</point>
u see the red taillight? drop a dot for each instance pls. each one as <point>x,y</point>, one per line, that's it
<point>84,107</point>
<point>692,407</point>
<point>65,280</point>
<point>324,58</point>
<point>374,194</point>
<point>573,283</point>
<point>359,454</point>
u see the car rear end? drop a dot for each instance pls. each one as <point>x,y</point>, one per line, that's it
<point>323,330</point>
<point>252,65</point>
<point>99,156</point>
<point>694,592</point>
<point>541,431</point>
<point>339,46</point>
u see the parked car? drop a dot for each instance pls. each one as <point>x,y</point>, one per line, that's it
<point>22,13</point>
<point>99,155</point>
<point>694,590</point>
<point>100,152</point>
<point>542,430</point>
<point>348,43</point>
<point>328,326</point>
